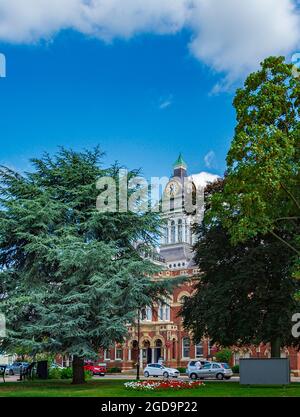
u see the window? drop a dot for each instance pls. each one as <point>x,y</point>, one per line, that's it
<point>186,347</point>
<point>119,354</point>
<point>174,349</point>
<point>166,235</point>
<point>179,230</point>
<point>164,312</point>
<point>215,366</point>
<point>186,238</point>
<point>146,314</point>
<point>173,231</point>
<point>107,355</point>
<point>199,350</point>
<point>207,366</point>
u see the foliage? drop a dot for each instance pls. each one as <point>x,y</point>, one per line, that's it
<point>236,369</point>
<point>66,373</point>
<point>245,294</point>
<point>224,355</point>
<point>114,370</point>
<point>182,370</point>
<point>262,189</point>
<point>71,278</point>
<point>54,373</point>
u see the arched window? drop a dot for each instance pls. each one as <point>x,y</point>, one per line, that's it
<point>173,231</point>
<point>146,314</point>
<point>158,343</point>
<point>179,230</point>
<point>186,347</point>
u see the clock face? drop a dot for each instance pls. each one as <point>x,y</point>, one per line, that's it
<point>172,189</point>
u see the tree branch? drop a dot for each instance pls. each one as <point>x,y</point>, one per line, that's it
<point>285,242</point>
<point>291,195</point>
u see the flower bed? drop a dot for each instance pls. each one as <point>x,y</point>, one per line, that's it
<point>162,385</point>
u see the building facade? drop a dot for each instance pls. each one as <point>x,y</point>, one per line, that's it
<point>162,335</point>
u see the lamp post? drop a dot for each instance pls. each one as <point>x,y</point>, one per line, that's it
<point>138,345</point>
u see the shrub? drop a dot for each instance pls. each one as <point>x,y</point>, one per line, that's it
<point>236,369</point>
<point>224,355</point>
<point>114,370</point>
<point>182,370</point>
<point>88,375</point>
<point>54,373</point>
<point>66,373</point>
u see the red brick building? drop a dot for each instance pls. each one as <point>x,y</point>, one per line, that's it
<point>162,335</point>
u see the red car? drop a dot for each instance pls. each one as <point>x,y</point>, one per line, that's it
<point>95,369</point>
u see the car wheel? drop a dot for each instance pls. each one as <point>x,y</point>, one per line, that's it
<point>220,377</point>
<point>146,374</point>
<point>165,375</point>
<point>10,372</point>
<point>193,376</point>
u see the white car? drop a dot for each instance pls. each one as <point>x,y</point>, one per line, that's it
<point>156,369</point>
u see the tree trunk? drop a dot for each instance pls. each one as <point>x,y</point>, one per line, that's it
<point>275,348</point>
<point>78,371</point>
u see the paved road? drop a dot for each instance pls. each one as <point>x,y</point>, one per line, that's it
<point>125,377</point>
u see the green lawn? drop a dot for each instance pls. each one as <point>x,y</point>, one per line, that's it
<point>110,388</point>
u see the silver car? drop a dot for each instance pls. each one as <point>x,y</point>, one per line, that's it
<point>193,365</point>
<point>215,370</point>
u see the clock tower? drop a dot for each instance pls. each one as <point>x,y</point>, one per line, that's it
<point>178,237</point>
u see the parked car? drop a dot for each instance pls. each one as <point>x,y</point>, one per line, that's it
<point>192,365</point>
<point>56,366</point>
<point>156,369</point>
<point>15,367</point>
<point>214,370</point>
<point>95,369</point>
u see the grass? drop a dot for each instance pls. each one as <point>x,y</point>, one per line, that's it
<point>115,388</point>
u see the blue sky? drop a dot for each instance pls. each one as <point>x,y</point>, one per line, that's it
<point>142,90</point>
<point>143,101</point>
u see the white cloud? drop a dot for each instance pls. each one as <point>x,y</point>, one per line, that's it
<point>210,159</point>
<point>165,102</point>
<point>230,36</point>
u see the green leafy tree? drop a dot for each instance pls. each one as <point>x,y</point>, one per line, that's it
<point>262,190</point>
<point>245,293</point>
<point>71,278</point>
<point>224,355</point>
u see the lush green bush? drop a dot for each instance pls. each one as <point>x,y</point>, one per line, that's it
<point>114,370</point>
<point>182,370</point>
<point>54,373</point>
<point>88,375</point>
<point>236,369</point>
<point>66,373</point>
<point>224,355</point>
